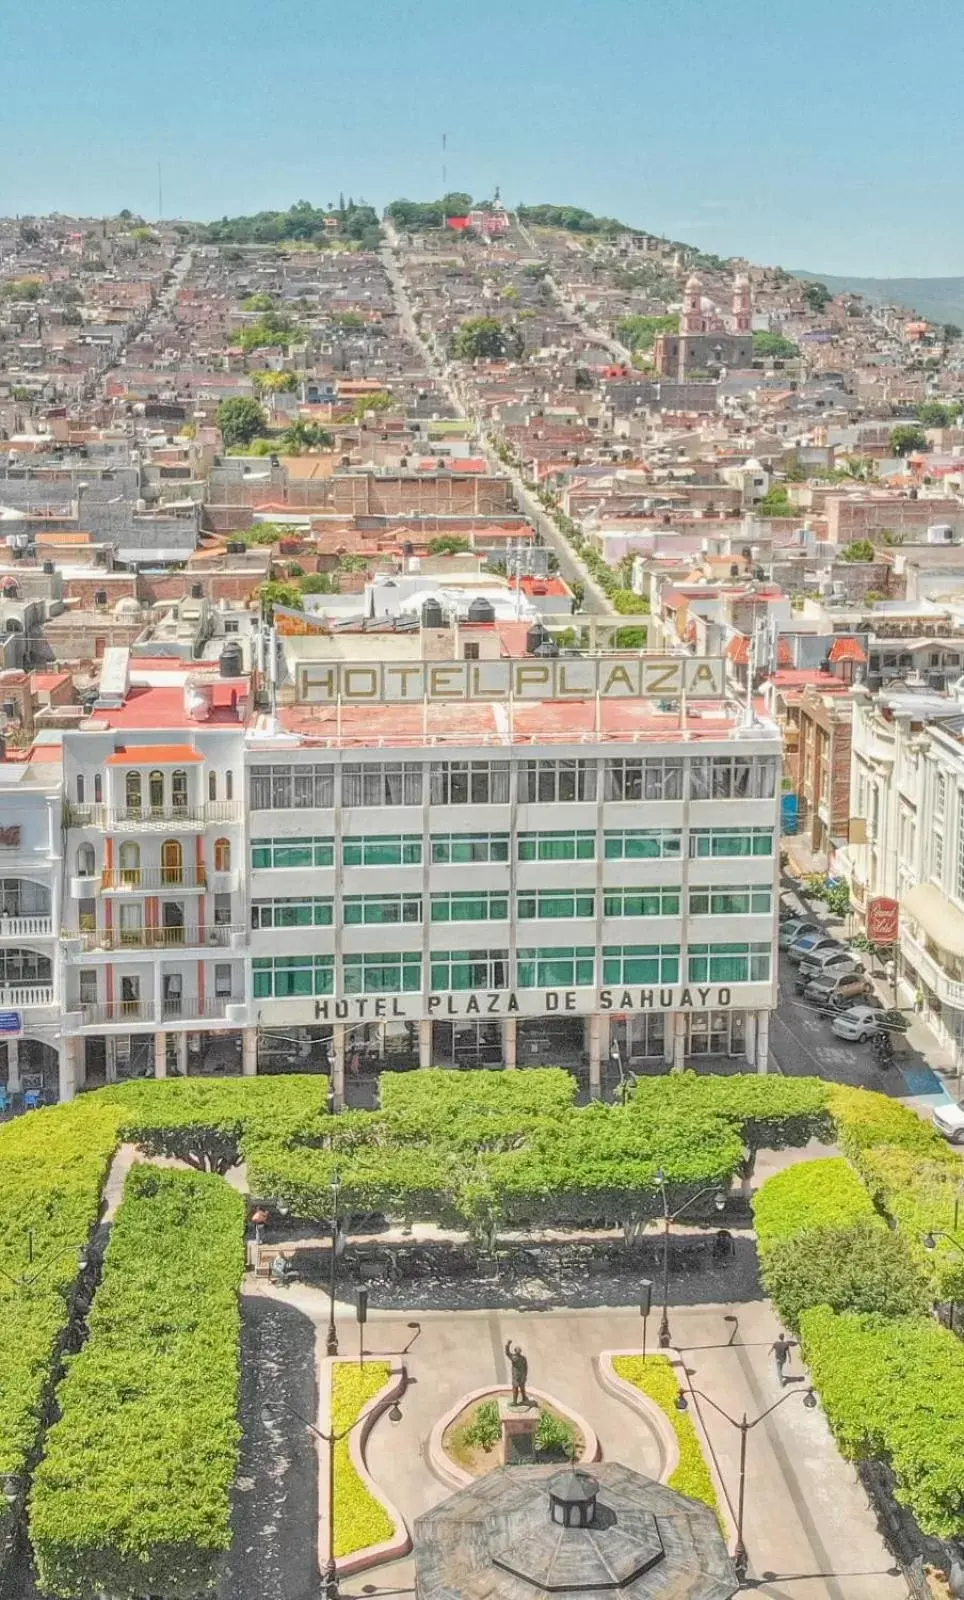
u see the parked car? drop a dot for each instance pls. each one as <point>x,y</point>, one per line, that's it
<point>809,942</point>
<point>831,961</point>
<point>839,993</point>
<point>949,1120</point>
<point>796,928</point>
<point>860,1023</point>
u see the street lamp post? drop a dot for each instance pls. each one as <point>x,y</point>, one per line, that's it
<point>665,1338</point>
<point>331,1343</point>
<point>743,1427</point>
<point>329,1578</point>
<point>645,1306</point>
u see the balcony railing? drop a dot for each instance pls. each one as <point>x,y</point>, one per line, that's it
<point>946,989</point>
<point>21,997</point>
<point>187,1008</point>
<point>217,937</point>
<point>26,927</point>
<point>152,818</point>
<point>148,879</point>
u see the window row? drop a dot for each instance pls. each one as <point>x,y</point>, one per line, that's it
<point>537,967</point>
<point>130,871</point>
<point>154,791</point>
<point>287,786</point>
<point>571,844</point>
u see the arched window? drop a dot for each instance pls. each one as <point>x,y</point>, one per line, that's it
<point>172,862</point>
<point>179,790</point>
<point>98,788</point>
<point>130,862</point>
<point>222,855</point>
<point>212,785</point>
<point>80,788</point>
<point>86,861</point>
<point>132,791</point>
<point>229,786</point>
<point>155,790</point>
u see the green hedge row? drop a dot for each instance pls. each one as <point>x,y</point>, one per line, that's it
<point>52,1169</point>
<point>360,1519</point>
<point>133,1495</point>
<point>893,1389</point>
<point>654,1376</point>
<point>810,1194</point>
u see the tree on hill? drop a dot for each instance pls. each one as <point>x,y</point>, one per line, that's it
<point>269,382</point>
<point>859,550</point>
<point>817,296</point>
<point>485,339</point>
<point>258,302</point>
<point>573,218</point>
<point>415,216</point>
<point>907,438</point>
<point>379,401</point>
<point>301,436</point>
<point>240,420</point>
<point>639,333</point>
<point>774,346</point>
<point>935,414</point>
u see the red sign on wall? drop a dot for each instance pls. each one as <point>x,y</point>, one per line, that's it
<point>10,838</point>
<point>883,920</point>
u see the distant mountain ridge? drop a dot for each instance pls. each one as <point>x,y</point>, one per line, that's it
<point>937,299</point>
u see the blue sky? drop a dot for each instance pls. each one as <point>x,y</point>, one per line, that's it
<point>825,135</point>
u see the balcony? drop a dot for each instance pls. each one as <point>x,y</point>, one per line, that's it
<point>152,819</point>
<point>216,937</point>
<point>26,927</point>
<point>26,997</point>
<point>947,990</point>
<point>152,880</point>
<point>140,1013</point>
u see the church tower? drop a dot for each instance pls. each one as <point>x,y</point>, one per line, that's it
<point>742,308</point>
<point>692,318</point>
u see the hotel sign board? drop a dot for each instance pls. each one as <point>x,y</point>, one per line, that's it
<point>563,678</point>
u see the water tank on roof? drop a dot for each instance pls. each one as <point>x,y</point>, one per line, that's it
<point>547,647</point>
<point>197,591</point>
<point>940,533</point>
<point>432,615</point>
<point>236,547</point>
<point>48,568</point>
<point>536,636</point>
<point>481,610</point>
<point>232,661</point>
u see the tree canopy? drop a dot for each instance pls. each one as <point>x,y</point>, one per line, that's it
<point>485,339</point>
<point>573,218</point>
<point>417,215</point>
<point>639,333</point>
<point>907,438</point>
<point>240,420</point>
<point>817,296</point>
<point>302,221</point>
<point>774,345</point>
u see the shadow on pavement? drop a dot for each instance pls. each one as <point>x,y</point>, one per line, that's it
<point>274,1554</point>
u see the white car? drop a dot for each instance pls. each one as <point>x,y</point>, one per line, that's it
<point>860,1023</point>
<point>949,1120</point>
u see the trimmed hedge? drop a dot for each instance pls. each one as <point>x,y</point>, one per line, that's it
<point>53,1164</point>
<point>863,1267</point>
<point>654,1376</point>
<point>864,1119</point>
<point>360,1519</point>
<point>133,1495</point>
<point>893,1390</point>
<point>921,1196</point>
<point>810,1194</point>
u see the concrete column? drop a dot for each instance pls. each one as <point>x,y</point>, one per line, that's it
<point>110,1058</point>
<point>669,1036</point>
<point>605,1038</point>
<point>595,1065</point>
<point>249,1052</point>
<point>68,1065</point>
<point>425,1042</point>
<point>762,1040</point>
<point>380,1031</point>
<point>509,1041</point>
<point>679,1041</point>
<point>750,1047</point>
<point>13,1065</point>
<point>160,1054</point>
<point>338,1066</point>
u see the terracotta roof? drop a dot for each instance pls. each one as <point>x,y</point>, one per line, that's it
<point>137,755</point>
<point>846,650</point>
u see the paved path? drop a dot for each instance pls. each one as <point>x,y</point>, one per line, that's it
<point>809,1529</point>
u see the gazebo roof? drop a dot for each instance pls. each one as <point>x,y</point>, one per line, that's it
<point>498,1540</point>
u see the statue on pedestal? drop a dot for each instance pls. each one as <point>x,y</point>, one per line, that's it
<point>520,1372</point>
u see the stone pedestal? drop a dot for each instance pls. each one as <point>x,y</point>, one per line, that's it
<point>519,1424</point>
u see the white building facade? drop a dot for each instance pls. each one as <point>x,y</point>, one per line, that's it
<point>31,881</point>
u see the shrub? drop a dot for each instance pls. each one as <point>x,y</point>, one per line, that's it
<point>654,1376</point>
<point>133,1495</point>
<point>921,1196</point>
<point>554,1436</point>
<point>893,1390</point>
<point>360,1519</point>
<point>864,1119</point>
<point>863,1267</point>
<point>811,1194</point>
<point>485,1429</point>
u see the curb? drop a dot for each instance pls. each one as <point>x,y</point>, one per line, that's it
<point>455,1477</point>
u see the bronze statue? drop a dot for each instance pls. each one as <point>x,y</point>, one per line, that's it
<point>520,1372</point>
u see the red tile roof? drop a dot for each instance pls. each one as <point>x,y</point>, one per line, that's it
<point>847,650</point>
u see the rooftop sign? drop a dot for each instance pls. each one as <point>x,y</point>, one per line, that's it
<point>565,678</point>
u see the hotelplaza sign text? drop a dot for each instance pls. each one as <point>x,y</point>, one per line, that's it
<point>482,1003</point>
<point>564,678</point>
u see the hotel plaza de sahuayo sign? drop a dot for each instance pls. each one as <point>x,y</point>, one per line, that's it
<point>564,678</point>
<point>482,1003</point>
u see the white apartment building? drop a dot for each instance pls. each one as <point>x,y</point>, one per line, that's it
<point>31,878</point>
<point>907,802</point>
<point>454,870</point>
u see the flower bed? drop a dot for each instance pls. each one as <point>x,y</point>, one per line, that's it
<point>473,1439</point>
<point>360,1519</point>
<point>133,1495</point>
<point>654,1376</point>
